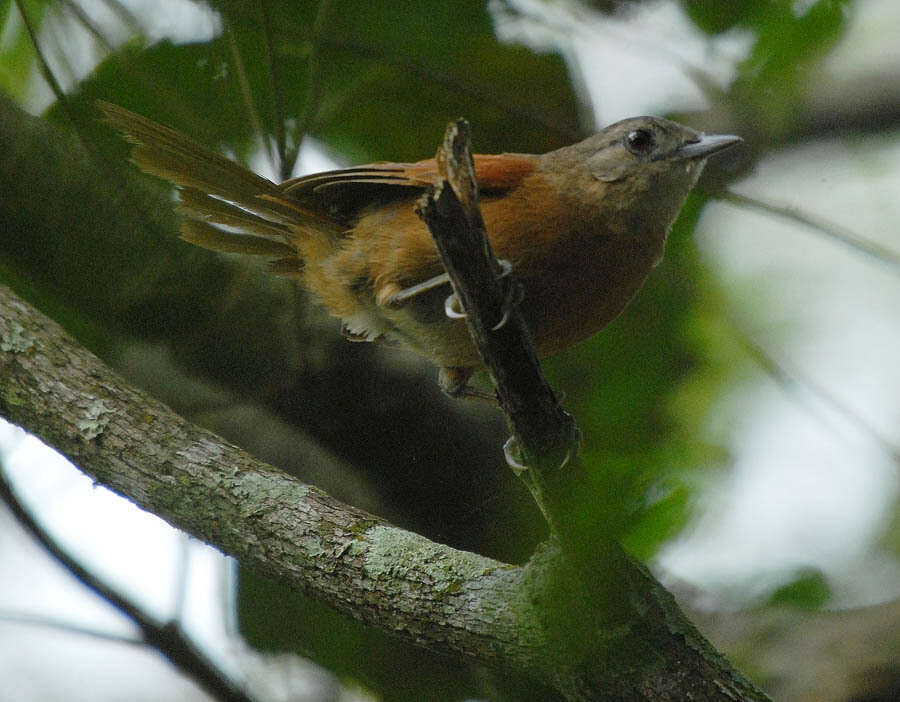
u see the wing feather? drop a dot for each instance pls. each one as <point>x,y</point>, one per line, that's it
<point>494,173</point>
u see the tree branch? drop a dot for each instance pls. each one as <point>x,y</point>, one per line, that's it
<point>537,619</point>
<point>620,590</point>
<point>356,563</point>
<point>544,435</point>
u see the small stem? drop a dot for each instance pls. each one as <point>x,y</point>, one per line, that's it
<point>880,253</point>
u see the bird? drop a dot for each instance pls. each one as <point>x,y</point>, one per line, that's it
<point>580,228</point>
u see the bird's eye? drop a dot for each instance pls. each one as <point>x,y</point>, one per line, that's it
<point>639,141</point>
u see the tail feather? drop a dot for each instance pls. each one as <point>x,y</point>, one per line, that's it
<point>209,236</point>
<point>169,154</point>
<point>198,205</point>
<point>217,191</point>
<point>290,266</point>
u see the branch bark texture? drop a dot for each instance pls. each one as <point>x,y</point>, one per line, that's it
<point>536,619</point>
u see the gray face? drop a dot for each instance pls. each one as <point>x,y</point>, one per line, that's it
<point>638,145</point>
<point>641,145</point>
<point>637,171</point>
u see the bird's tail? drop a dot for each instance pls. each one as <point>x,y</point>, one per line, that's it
<point>217,191</point>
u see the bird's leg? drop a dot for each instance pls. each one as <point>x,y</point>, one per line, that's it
<point>402,296</point>
<point>454,381</point>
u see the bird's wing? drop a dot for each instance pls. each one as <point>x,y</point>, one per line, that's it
<point>496,172</point>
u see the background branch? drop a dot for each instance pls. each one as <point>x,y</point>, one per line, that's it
<point>829,230</point>
<point>169,638</point>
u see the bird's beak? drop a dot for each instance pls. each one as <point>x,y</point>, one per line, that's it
<point>707,145</point>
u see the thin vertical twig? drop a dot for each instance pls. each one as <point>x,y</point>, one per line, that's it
<point>43,64</point>
<point>543,449</point>
<point>124,14</point>
<point>277,89</point>
<point>89,25</point>
<point>315,83</point>
<point>84,137</point>
<point>246,91</point>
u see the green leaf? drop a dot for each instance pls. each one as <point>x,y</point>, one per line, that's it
<point>771,80</point>
<point>16,51</point>
<point>659,522</point>
<point>387,79</point>
<point>716,17</point>
<point>809,591</point>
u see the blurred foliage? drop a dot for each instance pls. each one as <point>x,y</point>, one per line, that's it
<point>386,79</point>
<point>891,537</point>
<point>641,443</point>
<point>380,80</point>
<point>808,590</point>
<point>16,50</point>
<point>790,37</point>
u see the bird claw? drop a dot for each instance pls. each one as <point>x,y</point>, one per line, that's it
<point>453,308</point>
<point>512,452</point>
<point>454,381</point>
<point>514,293</point>
<point>503,320</point>
<point>400,297</point>
<point>505,266</point>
